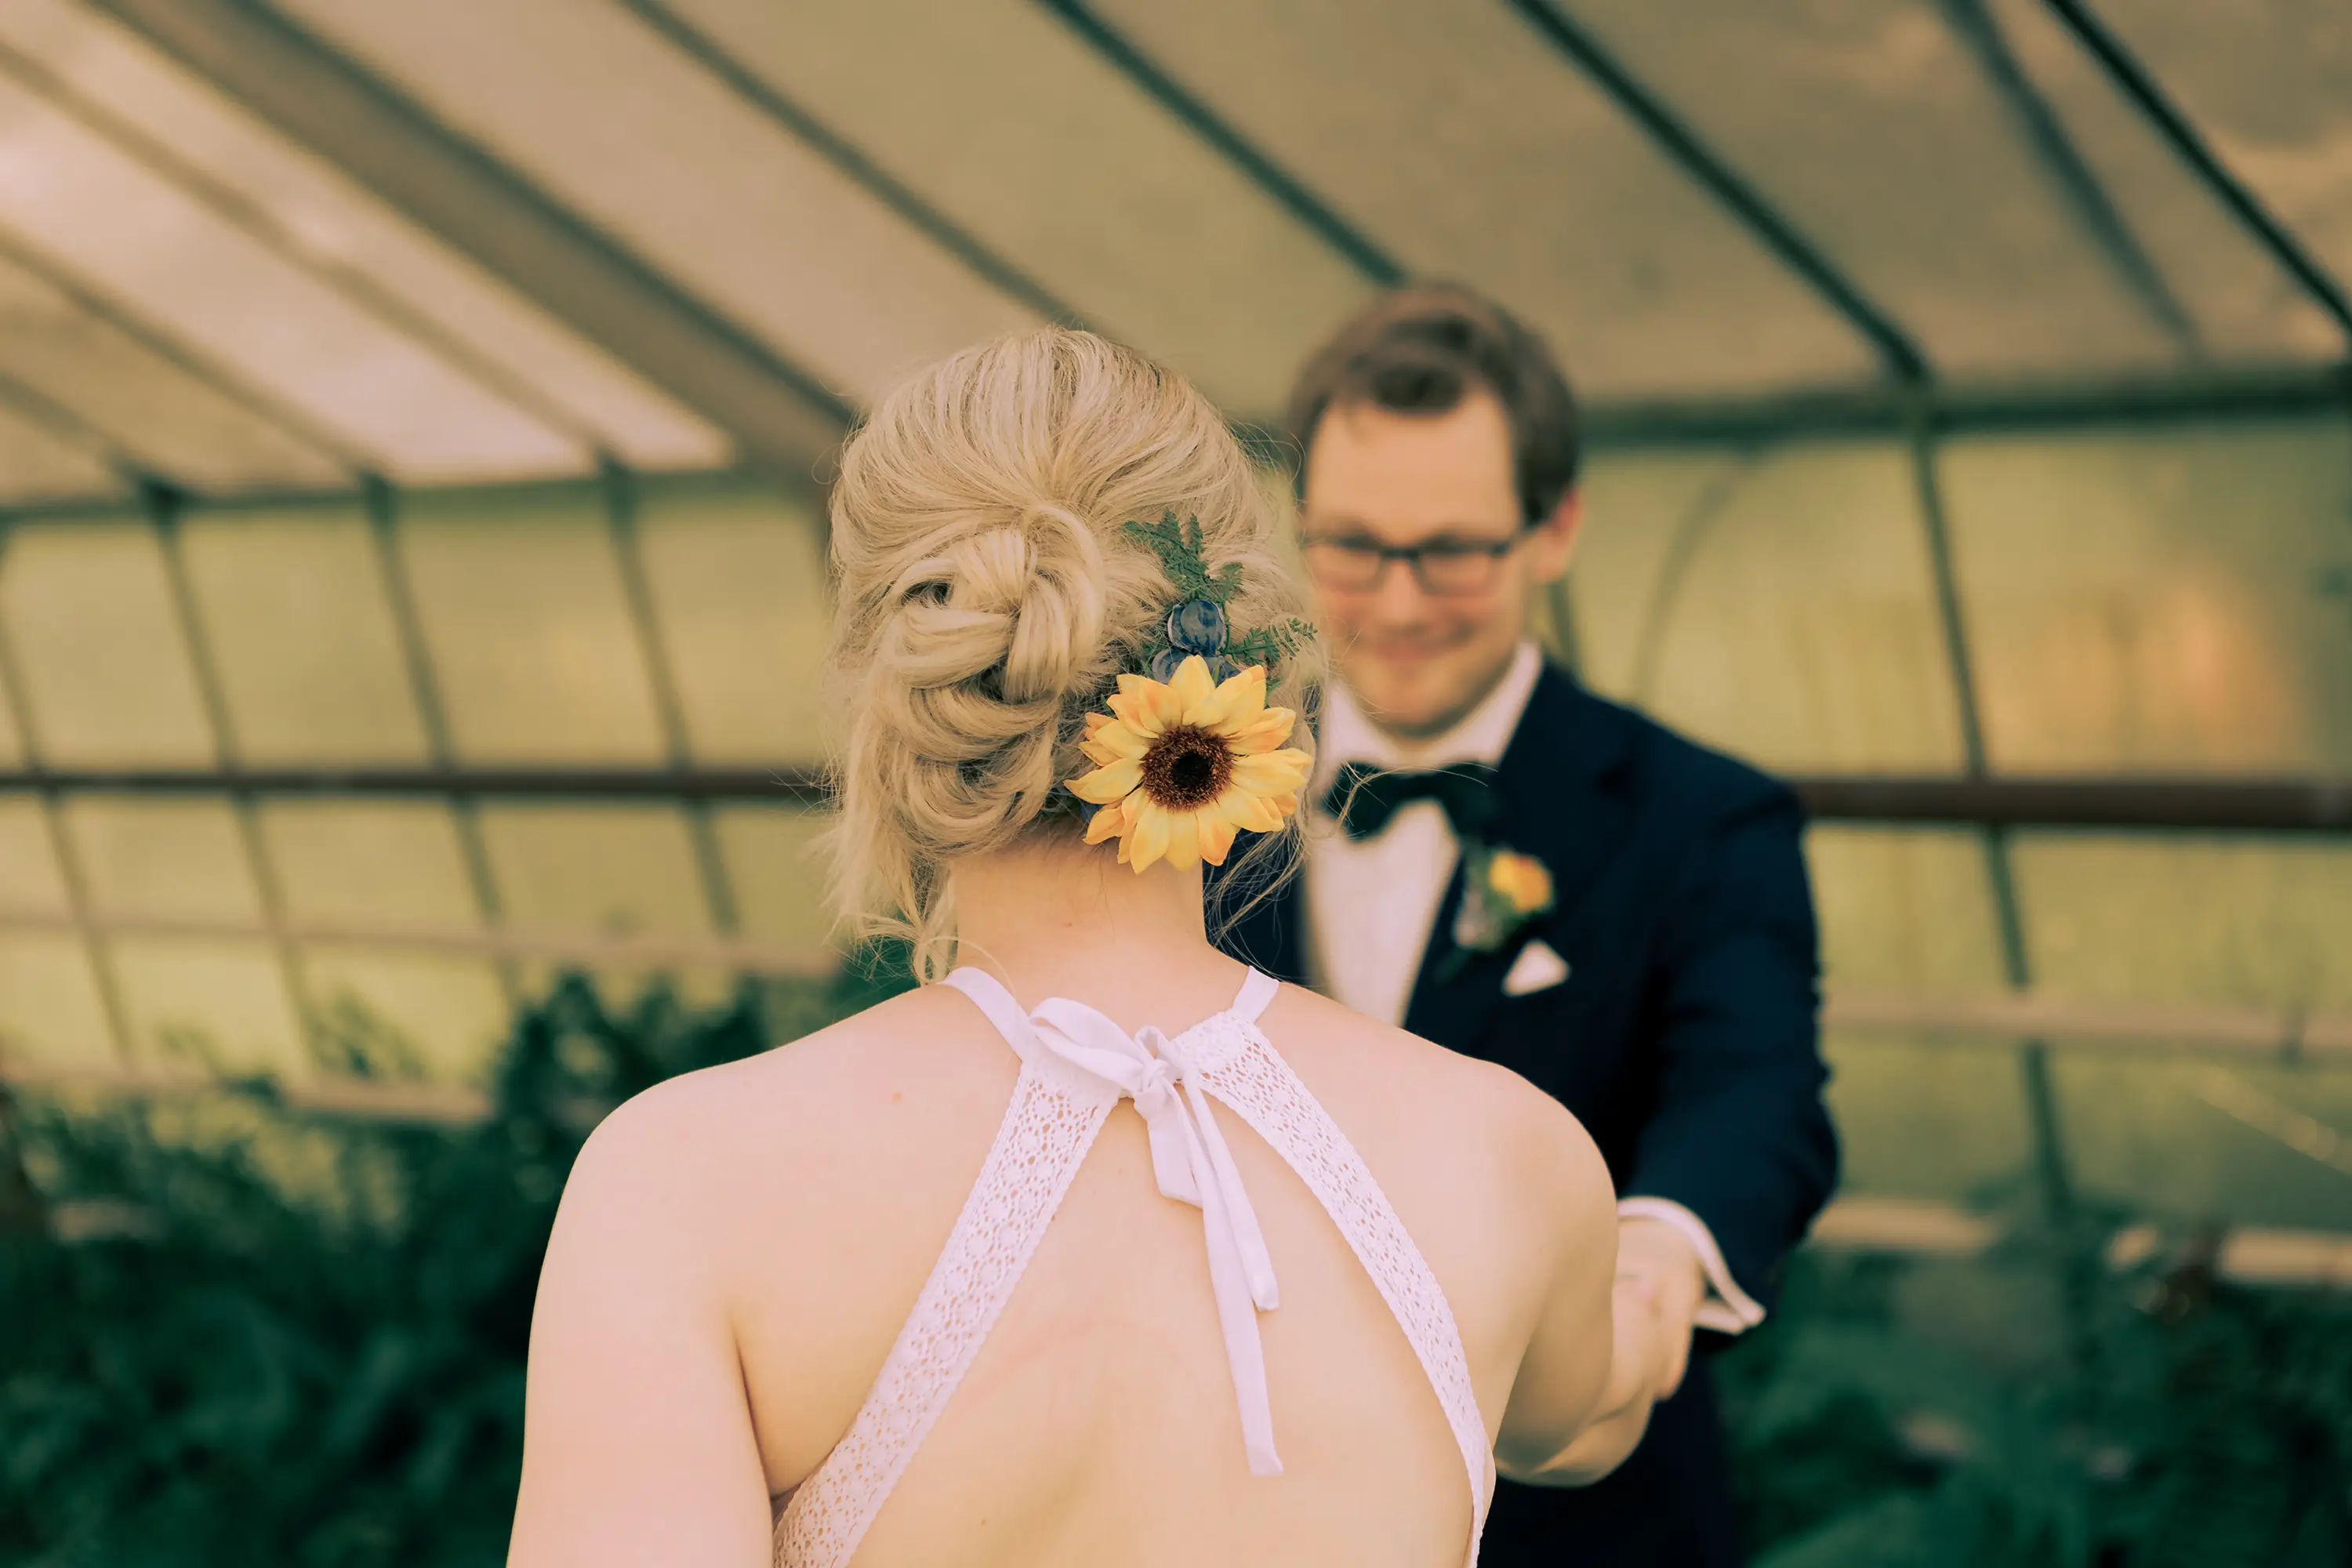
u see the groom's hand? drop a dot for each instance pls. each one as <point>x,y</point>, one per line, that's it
<point>1666,1266</point>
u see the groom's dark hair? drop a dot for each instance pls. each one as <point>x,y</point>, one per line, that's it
<point>1420,350</point>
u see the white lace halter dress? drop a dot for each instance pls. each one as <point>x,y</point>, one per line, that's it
<point>1076,1065</point>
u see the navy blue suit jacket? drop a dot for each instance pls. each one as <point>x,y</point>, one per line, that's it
<point>1686,1039</point>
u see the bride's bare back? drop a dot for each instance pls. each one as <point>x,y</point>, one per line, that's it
<point>738,1249</point>
<point>1019,533</point>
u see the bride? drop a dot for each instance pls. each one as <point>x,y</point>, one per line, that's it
<point>1103,1249</point>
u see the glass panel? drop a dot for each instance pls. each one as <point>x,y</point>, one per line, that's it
<point>213,1000</point>
<point>737,574</point>
<point>217,1004</point>
<point>2190,920</point>
<point>446,1015</point>
<point>166,859</point>
<point>1779,605</point>
<point>1001,118</point>
<point>313,211</point>
<point>310,661</point>
<point>30,880</point>
<point>2252,920</point>
<point>2173,600</point>
<point>1468,145</point>
<point>2269,89</point>
<point>1881,136</point>
<point>38,465</point>
<point>602,870</point>
<point>390,863</point>
<point>149,405</point>
<point>520,598</point>
<point>776,873</point>
<point>2211,1141</point>
<point>50,1011</point>
<point>12,738</point>
<point>1910,912</point>
<point>2241,301</point>
<point>105,663</point>
<point>94,209</point>
<point>591,105</point>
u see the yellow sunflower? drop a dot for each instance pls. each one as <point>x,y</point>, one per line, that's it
<point>1180,768</point>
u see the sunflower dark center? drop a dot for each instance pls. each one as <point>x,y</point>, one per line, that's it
<point>1186,768</point>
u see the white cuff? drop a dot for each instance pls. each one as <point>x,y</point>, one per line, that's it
<point>1727,1308</point>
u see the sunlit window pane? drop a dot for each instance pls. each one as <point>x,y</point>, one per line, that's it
<point>1781,606</point>
<point>2167,601</point>
<point>105,661</point>
<point>737,573</point>
<point>309,657</point>
<point>777,874</point>
<point>523,610</point>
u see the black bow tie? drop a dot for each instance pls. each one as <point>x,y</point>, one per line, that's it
<point>1364,797</point>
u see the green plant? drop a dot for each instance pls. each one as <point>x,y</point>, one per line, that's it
<point>301,1342</point>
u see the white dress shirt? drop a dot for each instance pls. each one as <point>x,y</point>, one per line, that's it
<point>1371,904</point>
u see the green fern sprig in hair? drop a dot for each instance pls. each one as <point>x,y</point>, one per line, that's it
<point>1184,559</point>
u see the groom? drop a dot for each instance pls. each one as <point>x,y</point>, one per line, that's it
<point>1511,866</point>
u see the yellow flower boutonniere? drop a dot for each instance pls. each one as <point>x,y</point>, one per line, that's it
<point>1502,890</point>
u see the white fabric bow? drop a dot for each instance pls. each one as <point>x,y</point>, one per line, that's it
<point>1193,1164</point>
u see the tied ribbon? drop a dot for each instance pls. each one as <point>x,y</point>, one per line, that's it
<point>1191,1165</point>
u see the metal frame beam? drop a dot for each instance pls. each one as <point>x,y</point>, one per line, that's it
<point>2137,84</point>
<point>2279,805</point>
<point>1290,192</point>
<point>1969,409</point>
<point>1980,31</point>
<point>778,413</point>
<point>1897,348</point>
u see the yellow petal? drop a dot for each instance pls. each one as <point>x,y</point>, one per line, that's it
<point>1263,731</point>
<point>1236,704</point>
<point>1108,823</point>
<point>1149,842</point>
<point>1268,773</point>
<point>1215,832</point>
<point>1106,784</point>
<point>1183,841</point>
<point>1145,706</point>
<point>1245,810</point>
<point>1191,689</point>
<point>1122,740</point>
<point>1095,721</point>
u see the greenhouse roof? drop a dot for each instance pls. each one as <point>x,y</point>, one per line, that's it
<point>263,248</point>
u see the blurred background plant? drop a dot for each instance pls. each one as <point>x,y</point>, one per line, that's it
<point>233,1330</point>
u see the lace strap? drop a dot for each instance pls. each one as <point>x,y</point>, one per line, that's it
<point>1039,1147</point>
<point>1260,1085</point>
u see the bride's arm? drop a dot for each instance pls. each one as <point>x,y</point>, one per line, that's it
<point>638,1441</point>
<point>1586,1384</point>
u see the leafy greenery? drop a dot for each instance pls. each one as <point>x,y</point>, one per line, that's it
<point>232,1332</point>
<point>1183,557</point>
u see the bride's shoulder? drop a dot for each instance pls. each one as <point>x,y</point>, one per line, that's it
<point>789,1106</point>
<point>1441,1095</point>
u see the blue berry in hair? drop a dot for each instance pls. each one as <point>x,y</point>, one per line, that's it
<point>1197,625</point>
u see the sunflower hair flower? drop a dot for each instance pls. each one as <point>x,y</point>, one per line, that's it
<point>1181,766</point>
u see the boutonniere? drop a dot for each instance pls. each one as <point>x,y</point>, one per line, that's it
<point>1502,890</point>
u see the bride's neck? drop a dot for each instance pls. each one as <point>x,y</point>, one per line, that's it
<point>1037,913</point>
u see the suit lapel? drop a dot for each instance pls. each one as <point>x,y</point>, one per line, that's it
<point>1559,781</point>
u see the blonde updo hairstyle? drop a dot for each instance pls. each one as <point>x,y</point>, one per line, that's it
<point>988,597</point>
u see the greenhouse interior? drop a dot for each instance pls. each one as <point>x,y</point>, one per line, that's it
<point>414,426</point>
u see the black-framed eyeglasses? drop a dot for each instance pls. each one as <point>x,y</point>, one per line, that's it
<point>1445,565</point>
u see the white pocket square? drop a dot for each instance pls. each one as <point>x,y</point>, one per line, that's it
<point>1537,968</point>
